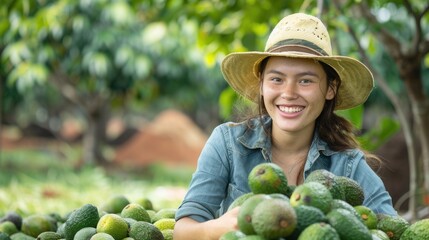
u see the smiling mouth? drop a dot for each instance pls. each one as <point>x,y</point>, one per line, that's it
<point>290,109</point>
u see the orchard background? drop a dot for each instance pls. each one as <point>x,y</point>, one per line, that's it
<point>109,97</point>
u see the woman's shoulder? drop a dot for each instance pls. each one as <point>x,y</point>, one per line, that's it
<point>249,130</point>
<point>241,126</point>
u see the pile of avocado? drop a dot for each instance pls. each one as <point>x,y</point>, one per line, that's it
<point>116,219</point>
<point>324,207</point>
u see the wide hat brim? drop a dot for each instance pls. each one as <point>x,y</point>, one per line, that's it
<point>241,71</point>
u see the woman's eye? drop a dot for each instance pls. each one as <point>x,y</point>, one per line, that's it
<point>275,79</point>
<point>305,81</point>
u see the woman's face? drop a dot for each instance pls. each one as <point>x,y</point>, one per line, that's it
<point>294,92</point>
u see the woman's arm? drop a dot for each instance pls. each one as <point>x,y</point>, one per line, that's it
<point>188,229</point>
<point>376,196</point>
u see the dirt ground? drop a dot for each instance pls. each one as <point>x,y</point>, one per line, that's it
<point>173,138</point>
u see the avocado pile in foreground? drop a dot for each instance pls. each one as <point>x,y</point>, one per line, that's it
<point>324,207</point>
<point>117,219</point>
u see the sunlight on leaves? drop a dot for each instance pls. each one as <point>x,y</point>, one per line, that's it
<point>119,13</point>
<point>17,52</point>
<point>154,33</point>
<point>97,63</point>
<point>26,75</point>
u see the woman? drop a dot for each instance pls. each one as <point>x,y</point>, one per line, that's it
<point>298,84</point>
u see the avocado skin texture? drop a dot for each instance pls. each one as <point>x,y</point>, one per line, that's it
<point>347,225</point>
<point>353,192</point>
<point>329,180</point>
<point>319,231</point>
<point>417,231</point>
<point>85,216</point>
<point>394,226</point>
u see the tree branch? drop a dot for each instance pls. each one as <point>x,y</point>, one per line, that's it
<point>416,47</point>
<point>63,85</point>
<point>386,38</point>
<point>425,10</point>
<point>424,48</point>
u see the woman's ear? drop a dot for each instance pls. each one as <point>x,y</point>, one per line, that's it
<point>332,90</point>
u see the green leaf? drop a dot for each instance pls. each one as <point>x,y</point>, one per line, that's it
<point>378,135</point>
<point>98,64</point>
<point>354,115</point>
<point>226,102</point>
<point>26,75</point>
<point>154,33</point>
<point>17,52</point>
<point>426,61</point>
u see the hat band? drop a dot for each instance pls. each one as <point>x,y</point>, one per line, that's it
<point>298,45</point>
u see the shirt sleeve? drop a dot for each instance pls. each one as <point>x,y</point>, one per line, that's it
<point>376,196</point>
<point>209,183</point>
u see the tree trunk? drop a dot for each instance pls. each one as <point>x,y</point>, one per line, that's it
<point>420,110</point>
<point>95,135</point>
<point>410,71</point>
<point>88,154</point>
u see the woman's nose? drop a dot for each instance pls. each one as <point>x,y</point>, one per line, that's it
<point>289,91</point>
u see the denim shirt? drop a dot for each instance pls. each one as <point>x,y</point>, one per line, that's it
<point>233,149</point>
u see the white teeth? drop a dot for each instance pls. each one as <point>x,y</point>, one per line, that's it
<point>290,109</point>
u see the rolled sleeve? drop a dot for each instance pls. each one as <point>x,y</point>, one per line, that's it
<point>209,183</point>
<point>376,196</point>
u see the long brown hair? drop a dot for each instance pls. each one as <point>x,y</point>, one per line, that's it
<point>338,132</point>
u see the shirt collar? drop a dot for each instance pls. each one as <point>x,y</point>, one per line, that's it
<point>256,137</point>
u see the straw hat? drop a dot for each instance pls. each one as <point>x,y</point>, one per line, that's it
<point>300,36</point>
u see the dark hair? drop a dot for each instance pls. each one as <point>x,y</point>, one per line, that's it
<point>338,132</point>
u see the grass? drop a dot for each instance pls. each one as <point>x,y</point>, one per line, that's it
<point>34,181</point>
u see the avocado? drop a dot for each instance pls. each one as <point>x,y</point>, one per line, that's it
<point>4,236</point>
<point>367,215</point>
<point>232,235</point>
<point>307,215</point>
<point>329,180</point>
<point>353,192</point>
<point>239,201</point>
<point>85,216</point>
<point>49,236</point>
<point>145,230</point>
<point>393,226</point>
<point>274,218</point>
<point>244,217</point>
<point>267,178</point>
<point>13,217</point>
<point>417,231</point>
<point>312,194</point>
<point>319,231</point>
<point>347,225</point>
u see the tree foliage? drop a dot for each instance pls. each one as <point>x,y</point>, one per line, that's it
<point>98,55</point>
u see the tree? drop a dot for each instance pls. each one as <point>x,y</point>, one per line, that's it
<point>401,36</point>
<point>99,55</point>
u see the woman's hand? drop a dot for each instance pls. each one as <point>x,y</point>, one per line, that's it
<point>189,229</point>
<point>226,223</point>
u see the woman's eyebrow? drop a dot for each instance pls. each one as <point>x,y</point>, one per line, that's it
<point>308,73</point>
<point>305,73</point>
<point>273,71</point>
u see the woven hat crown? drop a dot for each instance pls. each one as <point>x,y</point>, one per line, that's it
<point>300,30</point>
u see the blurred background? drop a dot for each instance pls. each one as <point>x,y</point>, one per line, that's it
<point>107,97</point>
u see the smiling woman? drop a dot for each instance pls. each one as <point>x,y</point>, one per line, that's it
<point>294,92</point>
<point>298,84</point>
